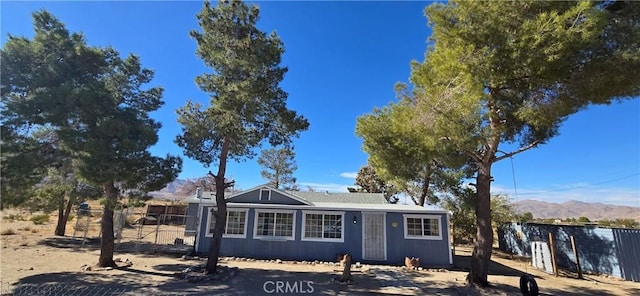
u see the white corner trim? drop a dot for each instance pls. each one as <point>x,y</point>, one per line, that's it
<point>449,238</point>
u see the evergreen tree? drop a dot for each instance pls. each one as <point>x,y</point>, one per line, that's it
<point>512,72</point>
<point>278,166</point>
<point>247,105</point>
<point>95,102</point>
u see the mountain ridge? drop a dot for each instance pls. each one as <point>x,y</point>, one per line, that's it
<point>575,209</point>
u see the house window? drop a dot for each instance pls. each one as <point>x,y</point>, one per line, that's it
<point>236,223</point>
<point>265,194</point>
<point>274,224</point>
<point>323,226</point>
<point>422,227</point>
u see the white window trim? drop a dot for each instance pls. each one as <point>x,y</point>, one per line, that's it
<point>268,197</point>
<point>246,216</point>
<point>273,238</point>
<point>428,237</point>
<point>321,239</point>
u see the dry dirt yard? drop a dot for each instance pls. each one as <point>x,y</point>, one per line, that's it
<point>34,261</point>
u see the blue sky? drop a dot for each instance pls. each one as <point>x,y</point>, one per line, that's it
<point>343,59</point>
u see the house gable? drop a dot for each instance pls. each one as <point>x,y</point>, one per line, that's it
<point>265,194</point>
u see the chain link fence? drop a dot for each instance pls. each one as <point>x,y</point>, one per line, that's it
<point>137,231</point>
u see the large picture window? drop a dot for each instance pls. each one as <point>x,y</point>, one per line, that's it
<point>274,224</point>
<point>236,223</point>
<point>422,227</point>
<point>323,226</point>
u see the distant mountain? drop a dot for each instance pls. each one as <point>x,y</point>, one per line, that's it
<point>169,191</point>
<point>575,209</point>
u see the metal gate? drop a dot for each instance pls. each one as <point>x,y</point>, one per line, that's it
<point>374,241</point>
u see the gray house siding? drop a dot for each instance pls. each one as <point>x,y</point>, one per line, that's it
<point>287,250</point>
<point>434,253</point>
<point>599,249</point>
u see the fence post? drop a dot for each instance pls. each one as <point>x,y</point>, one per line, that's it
<point>552,245</point>
<point>155,243</point>
<point>575,252</point>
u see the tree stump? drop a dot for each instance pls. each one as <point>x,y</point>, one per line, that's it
<point>346,271</point>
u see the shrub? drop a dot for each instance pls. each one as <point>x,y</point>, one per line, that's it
<point>40,219</point>
<point>13,217</point>
<point>8,232</point>
<point>71,217</point>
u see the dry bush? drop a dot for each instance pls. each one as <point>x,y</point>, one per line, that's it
<point>8,231</point>
<point>40,219</point>
<point>14,217</point>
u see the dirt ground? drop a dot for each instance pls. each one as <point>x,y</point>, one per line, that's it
<point>31,254</point>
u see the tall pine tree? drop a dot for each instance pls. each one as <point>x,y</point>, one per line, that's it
<point>247,105</point>
<point>95,102</point>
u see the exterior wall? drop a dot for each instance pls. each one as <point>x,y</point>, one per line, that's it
<point>432,253</point>
<point>598,248</point>
<point>296,249</point>
<point>253,196</point>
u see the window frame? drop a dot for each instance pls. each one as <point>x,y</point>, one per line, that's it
<point>422,218</point>
<point>273,237</point>
<point>268,196</point>
<point>209,233</point>
<point>322,239</point>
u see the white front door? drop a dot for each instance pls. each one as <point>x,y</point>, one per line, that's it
<point>374,243</point>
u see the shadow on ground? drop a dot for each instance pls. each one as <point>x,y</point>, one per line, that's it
<point>162,281</point>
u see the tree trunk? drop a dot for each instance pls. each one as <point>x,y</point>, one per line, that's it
<point>481,256</point>
<point>221,212</point>
<point>425,187</point>
<point>106,244</point>
<point>63,216</point>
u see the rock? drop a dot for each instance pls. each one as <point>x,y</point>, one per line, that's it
<point>85,268</point>
<point>278,261</point>
<point>117,259</point>
<point>358,265</point>
<point>420,269</point>
<point>108,268</point>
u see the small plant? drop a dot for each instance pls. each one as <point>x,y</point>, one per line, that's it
<point>34,230</point>
<point>71,217</point>
<point>9,231</point>
<point>28,228</point>
<point>40,219</point>
<point>14,217</point>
